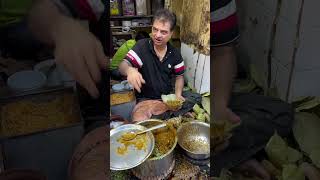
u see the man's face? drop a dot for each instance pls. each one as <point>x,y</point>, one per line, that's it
<point>161,33</point>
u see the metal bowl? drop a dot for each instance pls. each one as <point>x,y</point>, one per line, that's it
<point>194,139</point>
<point>133,157</point>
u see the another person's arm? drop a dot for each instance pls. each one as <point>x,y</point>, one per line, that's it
<point>74,46</point>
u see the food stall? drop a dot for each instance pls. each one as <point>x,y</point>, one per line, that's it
<point>181,149</point>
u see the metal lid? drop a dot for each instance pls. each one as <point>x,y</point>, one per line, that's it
<point>133,157</point>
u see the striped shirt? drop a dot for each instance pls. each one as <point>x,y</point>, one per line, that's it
<point>91,10</point>
<point>223,22</point>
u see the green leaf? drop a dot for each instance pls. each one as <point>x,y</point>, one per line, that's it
<point>309,104</point>
<point>292,172</point>
<point>293,155</point>
<point>197,109</point>
<point>306,132</point>
<point>276,149</point>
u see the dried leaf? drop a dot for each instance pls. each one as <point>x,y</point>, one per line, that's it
<point>308,105</point>
<point>301,99</point>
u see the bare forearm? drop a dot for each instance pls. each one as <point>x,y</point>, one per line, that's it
<point>123,68</point>
<point>179,85</point>
<point>44,18</point>
<point>224,70</point>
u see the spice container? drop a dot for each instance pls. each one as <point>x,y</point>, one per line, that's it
<point>128,7</point>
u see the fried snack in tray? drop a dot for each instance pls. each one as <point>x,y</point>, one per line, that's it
<point>28,116</point>
<point>120,98</point>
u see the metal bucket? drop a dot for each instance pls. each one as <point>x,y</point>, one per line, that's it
<point>156,167</point>
<point>22,174</point>
<point>89,160</point>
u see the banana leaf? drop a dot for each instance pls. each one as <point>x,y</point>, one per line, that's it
<point>280,153</point>
<point>206,104</point>
<point>292,172</point>
<point>276,150</point>
<point>306,128</point>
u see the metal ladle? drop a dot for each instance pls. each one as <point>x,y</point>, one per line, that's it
<point>131,135</point>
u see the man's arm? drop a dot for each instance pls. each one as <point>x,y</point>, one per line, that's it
<point>224,70</point>
<point>133,76</point>
<point>123,67</point>
<point>179,86</point>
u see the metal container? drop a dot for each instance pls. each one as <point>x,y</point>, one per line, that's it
<point>156,167</point>
<point>132,157</point>
<point>22,174</point>
<point>194,139</point>
<point>125,109</point>
<point>48,151</point>
<point>90,158</point>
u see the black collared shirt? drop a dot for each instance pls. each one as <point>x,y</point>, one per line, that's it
<point>158,75</point>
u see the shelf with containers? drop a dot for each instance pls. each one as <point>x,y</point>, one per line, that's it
<point>130,16</point>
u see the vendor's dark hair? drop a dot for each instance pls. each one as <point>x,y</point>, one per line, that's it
<point>166,15</point>
<point>141,35</point>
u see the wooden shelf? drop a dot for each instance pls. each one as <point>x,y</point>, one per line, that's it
<point>119,27</point>
<point>122,33</point>
<point>129,17</point>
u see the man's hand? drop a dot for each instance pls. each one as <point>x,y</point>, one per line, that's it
<point>80,52</point>
<point>180,97</point>
<point>225,114</point>
<point>135,78</point>
<point>220,147</point>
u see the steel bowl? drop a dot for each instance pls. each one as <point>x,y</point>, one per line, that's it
<point>194,139</point>
<point>133,157</point>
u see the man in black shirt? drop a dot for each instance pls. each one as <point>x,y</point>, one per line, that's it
<point>153,63</point>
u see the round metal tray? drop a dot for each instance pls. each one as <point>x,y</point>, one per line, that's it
<point>133,157</point>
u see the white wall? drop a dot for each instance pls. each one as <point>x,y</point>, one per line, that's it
<point>257,18</point>
<point>197,69</point>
